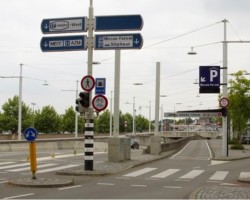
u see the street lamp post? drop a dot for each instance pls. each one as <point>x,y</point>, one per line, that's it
<point>20,103</point>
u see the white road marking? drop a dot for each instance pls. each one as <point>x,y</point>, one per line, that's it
<point>22,195</point>
<point>210,152</point>
<point>140,172</point>
<point>138,185</point>
<point>6,163</point>
<point>72,187</point>
<point>172,187</point>
<point>13,166</point>
<point>218,162</point>
<point>109,184</point>
<point>192,174</point>
<point>39,166</point>
<point>244,175</point>
<point>165,173</point>
<point>219,176</point>
<point>4,182</point>
<point>56,168</point>
<point>175,155</point>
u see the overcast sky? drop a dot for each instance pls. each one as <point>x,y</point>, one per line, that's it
<point>190,22</point>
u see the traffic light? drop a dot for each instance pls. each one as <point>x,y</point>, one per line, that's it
<point>79,107</point>
<point>224,112</point>
<point>84,99</point>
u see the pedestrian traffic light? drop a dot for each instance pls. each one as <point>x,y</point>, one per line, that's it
<point>224,112</point>
<point>84,99</point>
<point>79,108</point>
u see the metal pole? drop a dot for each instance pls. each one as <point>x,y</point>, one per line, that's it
<point>149,118</point>
<point>133,115</point>
<point>117,92</point>
<point>224,92</point>
<point>89,115</point>
<point>162,119</point>
<point>110,118</point>
<point>157,98</point>
<point>76,113</point>
<point>20,103</point>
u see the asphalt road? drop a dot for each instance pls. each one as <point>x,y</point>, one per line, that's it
<point>169,178</point>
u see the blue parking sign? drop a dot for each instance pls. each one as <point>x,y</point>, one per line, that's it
<point>209,79</point>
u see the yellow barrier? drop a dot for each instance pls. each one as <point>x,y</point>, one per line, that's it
<point>33,164</point>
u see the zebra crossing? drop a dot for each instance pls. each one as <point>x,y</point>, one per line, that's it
<point>181,175</point>
<point>41,167</point>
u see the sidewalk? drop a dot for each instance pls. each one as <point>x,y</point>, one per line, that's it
<point>138,158</point>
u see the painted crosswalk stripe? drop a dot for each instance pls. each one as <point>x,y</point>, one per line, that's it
<point>140,172</point>
<point>192,174</point>
<point>6,163</point>
<point>56,168</point>
<point>166,173</point>
<point>244,175</point>
<point>13,166</point>
<point>218,176</point>
<point>28,168</point>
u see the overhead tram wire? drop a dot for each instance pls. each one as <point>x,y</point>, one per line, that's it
<point>169,39</point>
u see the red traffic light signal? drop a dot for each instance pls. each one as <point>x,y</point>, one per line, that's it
<point>84,99</point>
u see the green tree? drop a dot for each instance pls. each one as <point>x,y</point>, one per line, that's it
<point>47,120</point>
<point>9,117</point>
<point>239,107</point>
<point>141,123</point>
<point>102,122</point>
<point>68,120</point>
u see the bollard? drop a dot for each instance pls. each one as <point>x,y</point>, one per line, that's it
<point>33,164</point>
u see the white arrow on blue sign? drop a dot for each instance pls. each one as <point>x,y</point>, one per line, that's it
<point>118,41</point>
<point>118,23</point>
<point>30,134</point>
<point>64,43</point>
<point>64,25</point>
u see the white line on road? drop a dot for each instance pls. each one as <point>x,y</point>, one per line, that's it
<point>140,172</point>
<point>192,174</point>
<point>6,163</point>
<point>165,173</point>
<point>13,166</point>
<point>138,185</point>
<point>4,182</point>
<point>219,176</point>
<point>56,168</point>
<point>28,168</point>
<point>66,188</point>
<point>22,195</point>
<point>109,184</point>
<point>172,187</point>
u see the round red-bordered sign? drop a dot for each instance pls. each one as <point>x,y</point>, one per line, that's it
<point>87,83</point>
<point>224,102</point>
<point>100,102</point>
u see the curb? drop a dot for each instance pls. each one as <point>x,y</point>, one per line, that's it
<point>40,182</point>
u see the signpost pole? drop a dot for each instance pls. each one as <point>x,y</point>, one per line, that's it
<point>117,92</point>
<point>33,164</point>
<point>224,92</point>
<point>157,97</point>
<point>89,117</point>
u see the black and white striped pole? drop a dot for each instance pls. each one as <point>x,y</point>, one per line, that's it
<point>89,114</point>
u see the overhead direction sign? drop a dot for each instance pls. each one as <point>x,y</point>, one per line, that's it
<point>118,41</point>
<point>191,114</point>
<point>118,23</point>
<point>209,79</point>
<point>63,43</point>
<point>64,25</point>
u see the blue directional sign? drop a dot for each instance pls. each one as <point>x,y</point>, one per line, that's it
<point>64,25</point>
<point>118,23</point>
<point>209,79</point>
<point>118,41</point>
<point>100,87</point>
<point>64,43</point>
<point>30,134</point>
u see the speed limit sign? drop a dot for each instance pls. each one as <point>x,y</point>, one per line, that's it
<point>224,102</point>
<point>99,102</point>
